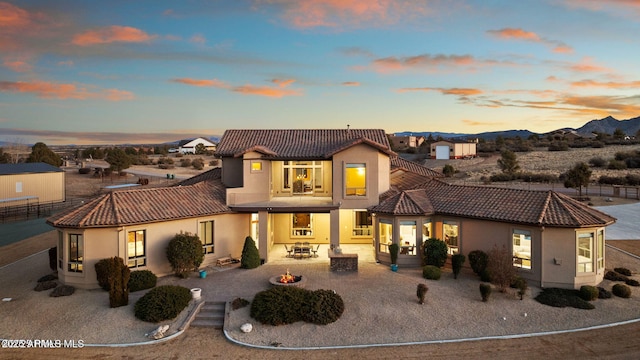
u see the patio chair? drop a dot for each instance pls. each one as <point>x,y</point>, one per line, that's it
<point>289,251</point>
<point>315,251</point>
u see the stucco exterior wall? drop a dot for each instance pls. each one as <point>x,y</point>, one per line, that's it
<point>230,231</point>
<point>47,187</point>
<point>255,184</point>
<point>282,226</point>
<point>232,172</point>
<point>377,172</point>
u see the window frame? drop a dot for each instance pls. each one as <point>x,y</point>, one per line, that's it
<point>408,246</point>
<point>74,262</point>
<point>360,230</point>
<point>60,250</point>
<point>135,261</point>
<point>600,242</point>
<point>302,232</point>
<point>585,267</point>
<point>517,260</point>
<point>384,247</point>
<point>207,238</point>
<point>355,195</point>
<point>260,166</point>
<point>452,247</point>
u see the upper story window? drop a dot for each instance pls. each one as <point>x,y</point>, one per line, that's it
<point>521,248</point>
<point>355,179</point>
<point>256,166</point>
<point>302,177</point>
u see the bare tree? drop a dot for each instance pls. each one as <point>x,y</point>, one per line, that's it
<point>501,268</point>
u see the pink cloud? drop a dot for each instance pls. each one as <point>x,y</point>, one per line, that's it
<point>351,83</point>
<point>266,91</point>
<point>468,122</point>
<point>12,16</point>
<point>17,65</point>
<point>427,61</point>
<point>283,82</point>
<point>587,65</point>
<point>202,82</point>
<point>608,84</point>
<point>198,39</point>
<point>52,90</point>
<point>515,33</point>
<point>447,91</point>
<point>111,34</point>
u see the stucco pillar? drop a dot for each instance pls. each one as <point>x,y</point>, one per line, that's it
<point>334,218</point>
<point>263,235</point>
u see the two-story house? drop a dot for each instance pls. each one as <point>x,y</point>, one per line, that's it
<point>333,187</point>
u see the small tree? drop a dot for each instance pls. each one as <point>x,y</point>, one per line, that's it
<point>577,177</point>
<point>185,253</point>
<point>457,260</point>
<point>508,163</point>
<point>421,291</point>
<point>393,252</point>
<point>478,260</point>
<point>118,160</point>
<point>435,252</point>
<point>448,170</point>
<point>113,275</point>
<point>501,268</point>
<point>41,153</point>
<point>200,149</point>
<point>250,255</point>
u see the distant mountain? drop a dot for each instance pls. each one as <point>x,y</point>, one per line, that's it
<point>609,124</point>
<point>486,135</point>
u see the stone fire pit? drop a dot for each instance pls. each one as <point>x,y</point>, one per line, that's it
<point>288,280</point>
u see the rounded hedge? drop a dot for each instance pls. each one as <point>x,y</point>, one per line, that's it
<point>621,290</point>
<point>141,280</point>
<point>588,292</point>
<point>431,272</point>
<point>282,305</point>
<point>185,254</point>
<point>435,252</point>
<point>478,260</point>
<point>162,303</point>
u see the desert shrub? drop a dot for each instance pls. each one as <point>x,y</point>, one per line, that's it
<point>102,273</point>
<point>165,160</point>
<point>614,276</point>
<point>632,282</point>
<point>285,305</point>
<point>49,277</point>
<point>45,285</point>
<point>485,291</point>
<point>113,275</point>
<point>431,272</point>
<point>53,258</point>
<point>448,170</point>
<point>597,162</point>
<point>588,292</point>
<point>186,162</point>
<point>538,178</point>
<point>557,297</point>
<point>616,165</point>
<point>162,303</point>
<point>64,290</point>
<point>165,166</point>
<point>603,293</point>
<point>185,254</point>
<point>621,290</point>
<point>322,307</point>
<point>435,252</point>
<point>485,276</point>
<point>214,162</point>
<point>421,292</point>
<point>239,303</point>
<point>84,170</point>
<point>623,271</point>
<point>503,177</point>
<point>611,180</point>
<point>632,179</point>
<point>198,164</point>
<point>250,255</point>
<point>142,280</point>
<point>501,268</point>
<point>457,260</point>
<point>478,260</point>
<point>521,284</point>
<point>558,146</point>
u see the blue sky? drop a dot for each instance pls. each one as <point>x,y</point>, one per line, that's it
<point>94,72</point>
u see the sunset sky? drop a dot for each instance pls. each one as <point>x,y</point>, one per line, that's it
<point>105,72</point>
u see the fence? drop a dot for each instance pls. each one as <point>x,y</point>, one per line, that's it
<point>36,210</point>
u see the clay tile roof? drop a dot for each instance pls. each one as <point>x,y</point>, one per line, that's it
<point>540,208</point>
<point>299,143</point>
<point>209,175</point>
<point>398,163</point>
<point>413,202</point>
<point>130,207</point>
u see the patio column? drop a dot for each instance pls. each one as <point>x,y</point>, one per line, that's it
<point>263,235</point>
<point>334,218</point>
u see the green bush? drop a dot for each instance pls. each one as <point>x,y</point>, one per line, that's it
<point>588,292</point>
<point>614,276</point>
<point>198,164</point>
<point>616,165</point>
<point>282,305</point>
<point>485,291</point>
<point>53,258</point>
<point>621,290</point>
<point>521,284</point>
<point>435,252</point>
<point>623,271</point>
<point>45,285</point>
<point>457,260</point>
<point>48,277</point>
<point>393,252</point>
<point>113,275</point>
<point>250,255</point>
<point>238,303</point>
<point>632,282</point>
<point>421,291</point>
<point>142,280</point>
<point>185,254</point>
<point>431,272</point>
<point>557,297</point>
<point>604,293</point>
<point>478,260</point>
<point>162,303</point>
<point>485,276</point>
<point>63,290</point>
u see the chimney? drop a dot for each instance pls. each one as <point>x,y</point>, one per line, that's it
<point>348,131</point>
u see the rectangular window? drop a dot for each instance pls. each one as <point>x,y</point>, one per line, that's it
<point>408,238</point>
<point>60,250</point>
<point>76,251</point>
<point>302,177</point>
<point>302,224</point>
<point>19,186</point>
<point>206,236</point>
<point>521,248</point>
<point>362,223</point>
<point>136,248</point>
<point>585,252</point>
<point>256,166</point>
<point>600,247</point>
<point>450,232</point>
<point>426,229</point>
<point>385,229</point>
<point>356,180</point>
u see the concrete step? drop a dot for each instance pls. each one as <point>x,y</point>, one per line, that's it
<point>211,314</point>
